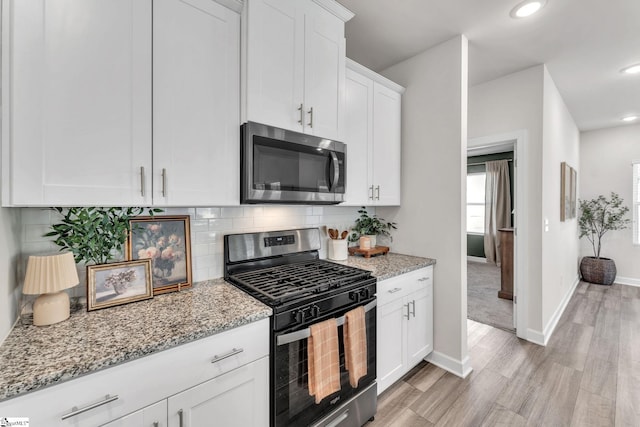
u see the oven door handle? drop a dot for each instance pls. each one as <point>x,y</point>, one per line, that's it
<point>306,333</point>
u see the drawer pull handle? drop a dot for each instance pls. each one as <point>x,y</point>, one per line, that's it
<point>423,279</point>
<point>408,312</point>
<point>75,411</point>
<point>180,417</point>
<point>156,424</point>
<point>413,304</point>
<point>233,352</point>
<point>394,290</point>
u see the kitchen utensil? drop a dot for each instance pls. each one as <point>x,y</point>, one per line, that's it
<point>344,234</point>
<point>333,233</point>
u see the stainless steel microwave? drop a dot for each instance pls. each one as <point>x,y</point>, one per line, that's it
<point>282,166</point>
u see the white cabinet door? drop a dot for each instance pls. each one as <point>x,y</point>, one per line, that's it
<point>419,325</point>
<point>275,63</point>
<point>239,398</point>
<point>358,130</point>
<point>196,91</point>
<point>152,416</point>
<point>324,73</point>
<point>372,133</point>
<point>76,102</point>
<point>386,145</point>
<point>391,343</point>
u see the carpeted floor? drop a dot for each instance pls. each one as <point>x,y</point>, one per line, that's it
<point>483,304</point>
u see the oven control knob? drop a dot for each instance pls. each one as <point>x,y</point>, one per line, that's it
<point>298,315</point>
<point>315,311</point>
<point>354,296</point>
<point>364,293</point>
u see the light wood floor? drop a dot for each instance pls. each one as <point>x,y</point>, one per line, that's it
<point>588,374</point>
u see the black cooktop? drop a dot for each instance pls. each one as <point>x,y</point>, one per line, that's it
<point>279,284</point>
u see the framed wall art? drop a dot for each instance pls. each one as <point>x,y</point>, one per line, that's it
<point>166,241</point>
<point>568,190</point>
<point>118,283</point>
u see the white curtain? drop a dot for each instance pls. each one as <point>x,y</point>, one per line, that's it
<point>497,212</point>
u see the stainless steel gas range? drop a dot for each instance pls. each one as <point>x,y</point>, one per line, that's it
<point>283,270</point>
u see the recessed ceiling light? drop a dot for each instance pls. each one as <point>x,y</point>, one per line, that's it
<point>631,69</point>
<point>630,118</point>
<point>527,8</point>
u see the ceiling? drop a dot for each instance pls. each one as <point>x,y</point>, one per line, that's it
<point>584,43</point>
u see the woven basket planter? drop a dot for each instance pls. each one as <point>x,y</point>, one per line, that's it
<point>598,270</point>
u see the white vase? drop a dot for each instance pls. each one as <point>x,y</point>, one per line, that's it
<point>372,238</point>
<point>337,249</point>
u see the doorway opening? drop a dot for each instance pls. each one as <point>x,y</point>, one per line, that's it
<point>495,288</point>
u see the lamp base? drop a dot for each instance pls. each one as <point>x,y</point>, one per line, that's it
<point>51,308</point>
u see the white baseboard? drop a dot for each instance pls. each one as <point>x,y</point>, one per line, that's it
<point>456,367</point>
<point>539,338</point>
<point>476,259</point>
<point>629,281</point>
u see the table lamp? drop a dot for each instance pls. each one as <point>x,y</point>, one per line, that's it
<point>48,276</point>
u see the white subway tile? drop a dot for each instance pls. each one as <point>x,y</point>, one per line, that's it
<point>200,249</point>
<point>199,225</point>
<point>253,211</point>
<point>242,223</point>
<point>234,212</point>
<point>220,224</point>
<point>205,237</point>
<point>207,213</point>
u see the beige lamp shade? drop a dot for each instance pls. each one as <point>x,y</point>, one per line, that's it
<point>48,276</point>
<point>50,273</point>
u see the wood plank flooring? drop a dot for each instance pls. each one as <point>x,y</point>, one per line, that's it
<point>588,374</point>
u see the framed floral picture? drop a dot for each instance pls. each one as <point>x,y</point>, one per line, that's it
<point>166,241</point>
<point>118,283</point>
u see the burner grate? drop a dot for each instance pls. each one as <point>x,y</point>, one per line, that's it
<point>290,281</point>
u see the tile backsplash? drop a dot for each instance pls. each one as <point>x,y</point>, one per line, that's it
<point>208,226</point>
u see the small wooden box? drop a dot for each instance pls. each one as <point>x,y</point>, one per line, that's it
<point>378,250</point>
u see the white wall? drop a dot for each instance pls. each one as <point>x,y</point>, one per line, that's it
<point>560,248</point>
<point>529,100</point>
<point>430,220</point>
<point>605,161</point>
<point>514,103</point>
<point>10,230</point>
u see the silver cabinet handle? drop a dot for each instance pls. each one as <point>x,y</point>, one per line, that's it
<point>422,279</point>
<point>142,181</point>
<point>407,305</point>
<point>310,117</point>
<point>394,290</point>
<point>339,419</point>
<point>336,170</point>
<point>180,417</point>
<point>156,424</point>
<point>233,352</point>
<point>301,119</point>
<point>164,182</point>
<point>77,411</point>
<point>378,192</point>
<point>413,303</point>
<point>371,189</point>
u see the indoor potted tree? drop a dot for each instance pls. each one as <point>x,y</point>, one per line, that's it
<point>370,226</point>
<point>597,216</point>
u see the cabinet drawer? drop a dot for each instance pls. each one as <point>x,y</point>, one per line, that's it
<point>400,286</point>
<point>143,381</point>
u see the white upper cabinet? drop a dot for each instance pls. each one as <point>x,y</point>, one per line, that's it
<point>295,65</point>
<point>196,103</point>
<point>76,102</point>
<point>373,138</point>
<point>91,119</point>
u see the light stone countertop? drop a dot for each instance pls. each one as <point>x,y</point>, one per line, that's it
<point>389,265</point>
<point>34,357</point>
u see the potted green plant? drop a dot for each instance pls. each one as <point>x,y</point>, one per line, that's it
<point>597,217</point>
<point>371,226</point>
<point>94,235</point>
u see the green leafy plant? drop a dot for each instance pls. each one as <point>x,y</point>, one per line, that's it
<point>597,216</point>
<point>94,234</point>
<point>371,225</point>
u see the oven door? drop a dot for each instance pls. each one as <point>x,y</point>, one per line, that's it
<point>281,166</point>
<point>291,403</point>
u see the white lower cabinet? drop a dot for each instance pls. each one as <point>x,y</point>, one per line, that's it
<point>152,416</point>
<point>233,399</point>
<point>404,324</point>
<point>209,377</point>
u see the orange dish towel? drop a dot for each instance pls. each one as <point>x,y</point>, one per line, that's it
<point>355,345</point>
<point>324,363</point>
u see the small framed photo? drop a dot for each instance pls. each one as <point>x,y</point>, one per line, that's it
<point>166,241</point>
<point>118,283</point>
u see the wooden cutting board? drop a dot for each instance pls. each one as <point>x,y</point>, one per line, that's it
<point>367,253</point>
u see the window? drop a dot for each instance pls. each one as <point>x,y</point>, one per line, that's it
<point>636,202</point>
<point>475,202</point>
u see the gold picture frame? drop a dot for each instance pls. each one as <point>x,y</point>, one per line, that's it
<point>118,283</point>
<point>166,241</point>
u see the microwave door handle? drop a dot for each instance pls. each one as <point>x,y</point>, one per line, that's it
<point>336,170</point>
